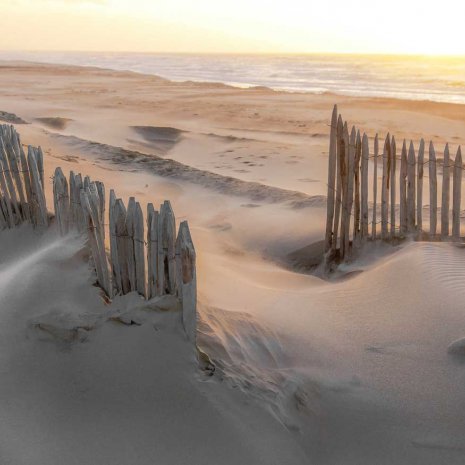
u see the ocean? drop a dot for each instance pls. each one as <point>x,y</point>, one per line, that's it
<point>414,78</point>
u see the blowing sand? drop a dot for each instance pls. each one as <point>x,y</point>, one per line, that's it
<point>348,371</point>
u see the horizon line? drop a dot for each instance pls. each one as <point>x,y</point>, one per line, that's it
<point>257,53</point>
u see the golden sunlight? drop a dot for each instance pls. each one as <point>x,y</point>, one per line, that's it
<point>292,26</point>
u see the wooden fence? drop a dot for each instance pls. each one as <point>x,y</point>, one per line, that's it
<point>147,258</point>
<point>353,202</point>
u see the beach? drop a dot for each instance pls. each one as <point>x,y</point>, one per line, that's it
<point>355,370</point>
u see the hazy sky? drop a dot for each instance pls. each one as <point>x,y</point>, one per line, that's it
<point>295,26</point>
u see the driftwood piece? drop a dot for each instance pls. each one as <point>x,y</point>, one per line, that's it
<point>433,191</point>
<point>403,189</point>
<point>393,186</point>
<point>411,191</point>
<point>375,187</point>
<point>457,194</point>
<point>420,171</point>
<point>364,186</point>
<point>331,180</point>
<point>187,280</point>
<point>445,193</point>
<point>139,250</point>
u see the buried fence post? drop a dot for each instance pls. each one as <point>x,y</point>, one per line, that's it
<point>457,195</point>
<point>186,280</point>
<point>433,195</point>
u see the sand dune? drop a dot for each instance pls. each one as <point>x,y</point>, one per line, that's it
<point>349,371</point>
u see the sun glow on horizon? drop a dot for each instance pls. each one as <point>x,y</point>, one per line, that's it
<point>243,26</point>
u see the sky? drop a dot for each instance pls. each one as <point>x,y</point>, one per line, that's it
<point>235,26</point>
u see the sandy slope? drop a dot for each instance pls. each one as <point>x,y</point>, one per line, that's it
<point>356,371</point>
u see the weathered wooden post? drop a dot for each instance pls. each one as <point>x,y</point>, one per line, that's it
<point>187,280</point>
<point>61,201</point>
<point>339,164</point>
<point>27,181</point>
<point>139,250</point>
<point>403,190</point>
<point>152,251</point>
<point>375,187</point>
<point>94,248</point>
<point>411,191</point>
<point>445,193</point>
<point>115,268</point>
<point>433,194</point>
<point>9,182</point>
<point>121,234</point>
<point>364,186</point>
<point>393,186</point>
<point>344,187</point>
<point>357,162</point>
<point>166,250</point>
<point>7,204</point>
<point>350,191</point>
<point>331,180</point>
<point>421,158</point>
<point>38,194</point>
<point>385,188</point>
<point>130,220</point>
<point>457,195</point>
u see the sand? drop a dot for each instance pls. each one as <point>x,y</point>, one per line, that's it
<point>352,370</point>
